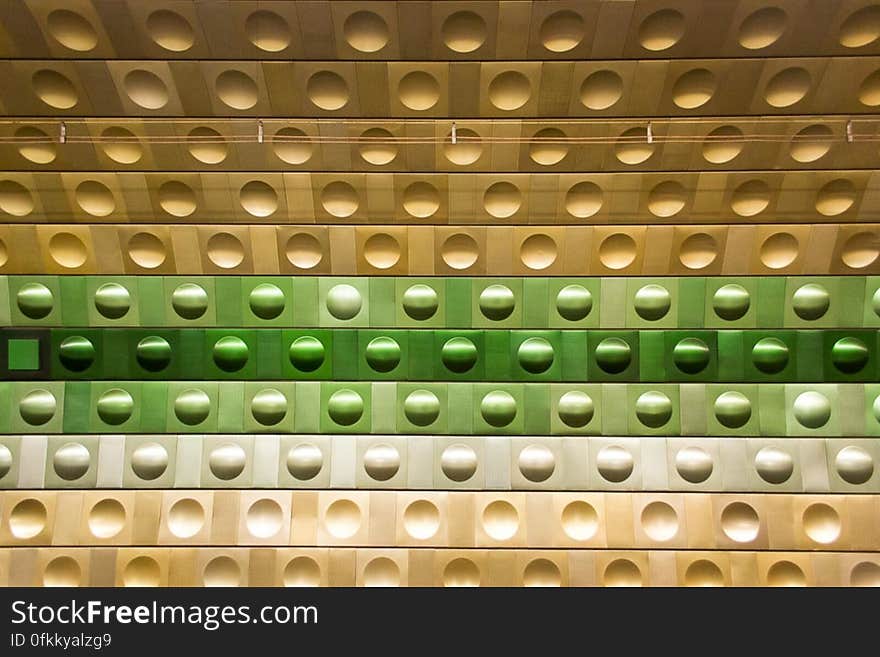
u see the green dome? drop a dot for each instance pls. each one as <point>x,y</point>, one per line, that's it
<point>731,301</point>
<point>849,355</point>
<point>344,301</point>
<point>76,353</point>
<point>306,353</point>
<point>613,355</point>
<point>770,355</point>
<point>154,353</point>
<point>37,407</point>
<point>652,302</point>
<point>192,406</point>
<point>266,301</point>
<point>812,409</point>
<point>654,409</point>
<point>535,355</point>
<point>345,407</point>
<point>810,301</point>
<point>115,406</point>
<point>420,302</point>
<point>691,355</point>
<point>189,301</point>
<point>269,406</point>
<point>230,353</point>
<point>733,409</point>
<point>382,354</point>
<point>112,300</point>
<point>498,408</point>
<point>497,302</point>
<point>421,407</point>
<point>459,355</point>
<point>35,300</point>
<point>574,302</point>
<point>575,409</point>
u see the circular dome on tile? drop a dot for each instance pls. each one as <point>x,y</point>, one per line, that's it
<point>762,28</point>
<point>613,355</point>
<point>732,409</point>
<point>72,30</point>
<point>497,302</point>
<point>269,407</point>
<point>601,90</point>
<point>750,198</point>
<point>854,465</point>
<point>698,251</point>
<point>377,147</point>
<point>652,302</point>
<point>661,30</point>
<point>170,30</point>
<point>54,89</point>
<point>694,464</point>
<point>811,143</point>
<point>258,198</point>
<point>146,250</point>
<point>382,251</point>
<point>723,144</point>
<point>381,462</point>
<point>76,353</point>
<point>617,251</point>
<point>225,250</point>
<point>548,147</point>
<point>860,250</point>
<point>703,572</point>
<point>562,31</point>
<point>222,571</point>
<point>344,301</point>
<point>112,300</point>
<point>382,354</point>
<point>861,28</point>
<point>541,572</point>
<point>37,407</point>
<point>192,406</point>
<point>303,250</point>
<point>302,572</point>
<point>461,572</point>
<point>71,461</point>
<point>787,87</point>
<point>779,250</point>
<point>459,462</point>
<point>15,199</point>
<point>67,250</point>
<point>575,408</point>
<point>694,88</point>
<point>467,149</point>
<point>95,198</point>
<point>535,355</point>
<point>614,463</point>
<point>236,89</point>
<point>121,145</point>
<point>812,409</point>
<point>502,200</point>
<point>189,301</point>
<point>653,409</point>
<point>463,31</point>
<point>420,301</point>
<point>770,355</point>
<point>835,197</point>
<point>153,353</point>
<point>500,520</point>
<point>206,145</point>
<point>509,90</point>
<point>459,354</point>
<point>421,407</point>
<point>574,302</point>
<point>538,251</point>
<point>460,251</point>
<point>810,301</point>
<point>632,146</point>
<point>34,300</point>
<point>498,408</point>
<point>267,31</point>
<point>149,461</point>
<point>177,198</point>
<point>421,200</point>
<point>366,31</point>
<point>305,461</point>
<point>266,301</point>
<point>306,353</point>
<point>667,199</point>
<point>36,146</point>
<point>145,89</point>
<point>292,146</point>
<point>327,90</point>
<point>418,91</point>
<point>340,199</point>
<point>691,355</point>
<point>774,465</point>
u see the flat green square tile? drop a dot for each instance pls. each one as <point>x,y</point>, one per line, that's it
<point>422,408</point>
<point>112,301</point>
<point>573,355</point>
<point>497,303</point>
<point>75,300</point>
<point>573,302</point>
<point>498,409</point>
<point>691,301</point>
<point>575,409</point>
<point>458,302</point>
<point>5,309</point>
<point>23,354</point>
<point>419,302</point>
<point>851,306</point>
<point>536,406</point>
<point>383,302</point>
<point>115,343</point>
<point>651,304</point>
<point>307,407</point>
<point>652,356</point>
<point>653,409</point>
<point>613,302</point>
<point>305,301</point>
<point>385,355</point>
<point>536,302</point>
<point>731,356</point>
<point>228,300</point>
<point>231,407</point>
<point>346,407</point>
<point>344,302</point>
<point>732,302</point>
<point>307,354</point>
<point>499,366</point>
<point>152,300</point>
<point>771,302</point>
<point>154,417</point>
<point>269,354</point>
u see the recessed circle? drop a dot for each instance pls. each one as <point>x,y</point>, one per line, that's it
<point>538,251</point>
<point>301,572</point>
<point>306,353</point>
<point>854,465</point>
<point>177,198</point>
<point>62,571</point>
<point>667,199</point>
<point>652,302</point>
<point>421,200</point>
<point>459,354</point>
<point>787,87</point>
<point>861,28</point>
<point>421,519</point>
<point>691,355</point>
<point>835,197</point>
<point>305,461</point>
<point>812,409</point>
<point>71,461</point>
<point>613,355</point>
<point>192,406</point>
<point>67,250</point>
<point>502,200</point>
<point>227,461</point>
<point>344,301</point>
<point>575,408</point>
<point>869,90</point>
<point>614,463</point>
<point>381,571</point>
<point>377,146</point>
<point>536,463</point>
<point>15,199</point>
<point>463,31</point>
<point>622,572</point>
<point>54,89</point>
<point>653,409</point>
<point>500,520</point>
<point>36,146</point>
<point>418,91</point>
<point>694,464</point>
<point>112,300</point>
<point>860,250</point>
<point>115,406</point>
<point>732,409</point>
<point>107,518</point>
<point>142,571</point>
<point>698,251</point>
<point>365,31</point>
<point>617,251</point>
<point>339,199</point>
<point>467,149</point>
<point>811,143</point>
<point>421,407</point>
<point>343,518</point>
<point>149,461</point>
<point>459,462</point>
<point>497,302</point>
<point>703,572</point>
<point>601,90</point>
<point>236,89</point>
<point>562,31</point>
<point>762,28</point>
<point>34,300</point>
<point>786,573</point>
<point>264,518</point>
<point>383,354</point>
<point>230,353</point>
<point>548,147</point>
<point>740,522</point>
<point>580,521</point>
<point>269,406</point>
<point>723,144</point>
<point>121,145</point>
<point>750,198</point>
<point>509,91</point>
<point>661,30</point>
<point>170,30</point>
<point>770,355</point>
<point>774,465</point>
<point>186,517</point>
<point>153,353</point>
<point>731,302</point>
<point>694,88</point>
<point>345,407</point>
<point>633,147</point>
<point>460,251</point>
<point>541,573</point>
<point>146,250</point>
<point>95,198</point>
<point>461,572</point>
<point>327,91</point>
<point>145,89</point>
<point>71,30</point>
<point>28,519</point>
<point>498,408</point>
<point>222,571</point>
<point>810,301</point>
<point>865,573</point>
<point>821,523</point>
<point>292,146</point>
<point>535,355</point>
<point>659,521</point>
<point>382,251</point>
<point>583,200</point>
<point>37,407</point>
<point>267,31</point>
<point>303,250</point>
<point>574,302</point>
<point>258,198</point>
<point>779,250</point>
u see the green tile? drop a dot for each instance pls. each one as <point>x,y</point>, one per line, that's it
<point>24,354</point>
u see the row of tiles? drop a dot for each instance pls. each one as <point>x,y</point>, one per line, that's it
<point>812,465</point>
